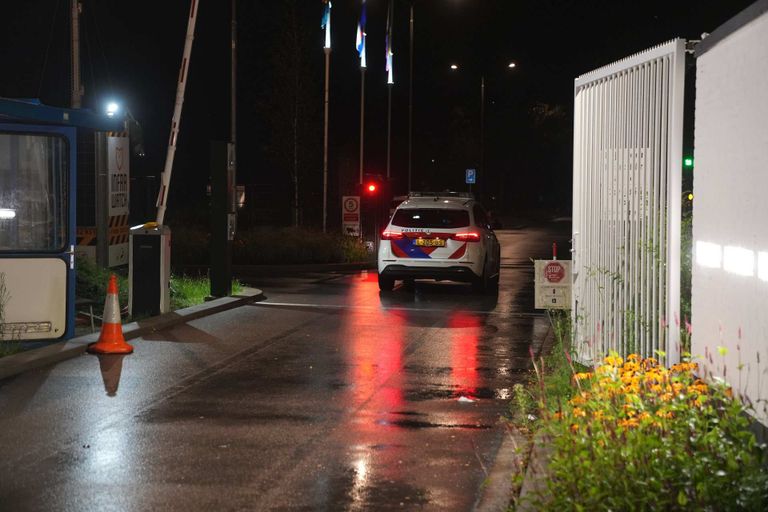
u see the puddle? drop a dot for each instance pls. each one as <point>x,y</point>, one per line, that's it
<point>413,424</point>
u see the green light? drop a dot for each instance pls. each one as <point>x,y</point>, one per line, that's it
<point>688,162</point>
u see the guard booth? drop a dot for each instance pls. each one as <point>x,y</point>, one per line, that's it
<point>39,155</point>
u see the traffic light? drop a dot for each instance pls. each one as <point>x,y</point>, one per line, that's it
<point>688,162</point>
<point>371,188</point>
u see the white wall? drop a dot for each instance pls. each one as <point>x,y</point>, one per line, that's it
<point>730,292</point>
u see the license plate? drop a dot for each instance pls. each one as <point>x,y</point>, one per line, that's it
<point>429,242</point>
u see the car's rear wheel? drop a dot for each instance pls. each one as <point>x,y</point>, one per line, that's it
<point>486,283</point>
<point>386,283</point>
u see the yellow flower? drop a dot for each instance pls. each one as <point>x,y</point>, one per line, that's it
<point>579,412</point>
<point>629,411</point>
<point>633,357</point>
<point>578,399</point>
<point>574,427</point>
<point>628,423</point>
<point>613,360</point>
<point>583,376</point>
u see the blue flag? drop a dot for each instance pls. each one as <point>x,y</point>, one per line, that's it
<point>326,23</point>
<point>360,40</point>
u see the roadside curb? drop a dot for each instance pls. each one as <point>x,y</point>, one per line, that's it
<point>247,271</point>
<point>508,467</point>
<point>534,483</point>
<point>56,352</point>
<point>520,456</point>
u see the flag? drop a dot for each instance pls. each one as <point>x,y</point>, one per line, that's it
<point>326,23</point>
<point>390,70</point>
<point>360,41</point>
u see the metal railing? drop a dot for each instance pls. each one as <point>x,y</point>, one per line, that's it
<point>628,123</point>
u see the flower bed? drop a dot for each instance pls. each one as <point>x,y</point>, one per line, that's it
<point>638,436</point>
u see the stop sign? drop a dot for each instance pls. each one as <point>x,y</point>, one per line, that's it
<point>554,272</point>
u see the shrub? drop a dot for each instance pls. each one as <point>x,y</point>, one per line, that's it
<point>638,436</point>
<point>295,246</point>
<point>91,281</point>
<point>269,246</point>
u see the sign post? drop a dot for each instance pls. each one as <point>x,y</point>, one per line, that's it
<point>470,177</point>
<point>553,284</point>
<point>350,215</point>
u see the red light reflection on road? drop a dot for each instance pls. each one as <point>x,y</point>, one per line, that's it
<point>465,329</point>
<point>374,357</point>
<point>375,353</point>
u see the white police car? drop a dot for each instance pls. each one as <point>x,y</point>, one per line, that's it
<point>441,236</point>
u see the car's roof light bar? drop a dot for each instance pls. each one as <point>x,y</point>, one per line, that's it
<point>445,193</point>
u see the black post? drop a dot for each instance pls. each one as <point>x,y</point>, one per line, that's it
<point>222,217</point>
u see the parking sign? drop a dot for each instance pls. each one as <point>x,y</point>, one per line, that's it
<point>471,176</point>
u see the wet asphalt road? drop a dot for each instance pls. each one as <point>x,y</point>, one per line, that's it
<point>327,396</point>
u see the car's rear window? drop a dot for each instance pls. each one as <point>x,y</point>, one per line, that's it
<point>430,218</point>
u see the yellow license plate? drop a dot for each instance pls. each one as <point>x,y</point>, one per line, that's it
<point>429,242</point>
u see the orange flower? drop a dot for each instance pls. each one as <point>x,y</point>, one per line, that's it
<point>579,412</point>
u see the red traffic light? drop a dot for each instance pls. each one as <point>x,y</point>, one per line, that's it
<point>372,188</point>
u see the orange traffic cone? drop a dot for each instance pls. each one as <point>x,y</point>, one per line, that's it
<point>111,340</point>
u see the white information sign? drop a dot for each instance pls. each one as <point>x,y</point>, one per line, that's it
<point>350,215</point>
<point>118,169</point>
<point>118,186</point>
<point>553,284</point>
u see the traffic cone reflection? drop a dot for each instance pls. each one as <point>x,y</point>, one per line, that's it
<point>111,340</point>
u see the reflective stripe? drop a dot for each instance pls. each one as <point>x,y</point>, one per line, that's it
<point>111,310</point>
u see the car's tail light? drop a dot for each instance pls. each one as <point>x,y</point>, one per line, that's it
<point>466,237</point>
<point>391,235</point>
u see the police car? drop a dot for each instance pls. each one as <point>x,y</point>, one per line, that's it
<point>441,236</point>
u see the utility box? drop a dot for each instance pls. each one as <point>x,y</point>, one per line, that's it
<point>149,270</point>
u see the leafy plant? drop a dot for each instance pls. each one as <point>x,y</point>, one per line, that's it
<point>91,282</point>
<point>638,436</point>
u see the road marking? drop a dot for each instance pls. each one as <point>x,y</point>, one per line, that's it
<point>373,308</point>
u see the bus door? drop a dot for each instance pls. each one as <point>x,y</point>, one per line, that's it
<point>37,229</point>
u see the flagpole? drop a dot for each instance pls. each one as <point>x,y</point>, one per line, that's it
<point>389,127</point>
<point>362,120</point>
<point>325,140</point>
<point>410,103</point>
<point>390,83</point>
<point>327,51</point>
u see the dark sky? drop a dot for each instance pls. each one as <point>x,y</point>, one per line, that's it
<point>132,50</point>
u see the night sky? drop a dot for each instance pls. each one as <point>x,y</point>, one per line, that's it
<point>131,52</point>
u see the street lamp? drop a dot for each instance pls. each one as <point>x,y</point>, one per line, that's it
<point>112,108</point>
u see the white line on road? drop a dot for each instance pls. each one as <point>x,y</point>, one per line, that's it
<point>373,308</point>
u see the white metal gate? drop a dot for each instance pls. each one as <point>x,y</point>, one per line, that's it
<point>628,128</point>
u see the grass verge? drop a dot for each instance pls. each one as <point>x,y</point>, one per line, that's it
<point>91,283</point>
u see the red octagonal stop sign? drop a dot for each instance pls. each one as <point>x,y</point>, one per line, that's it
<point>554,272</point>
